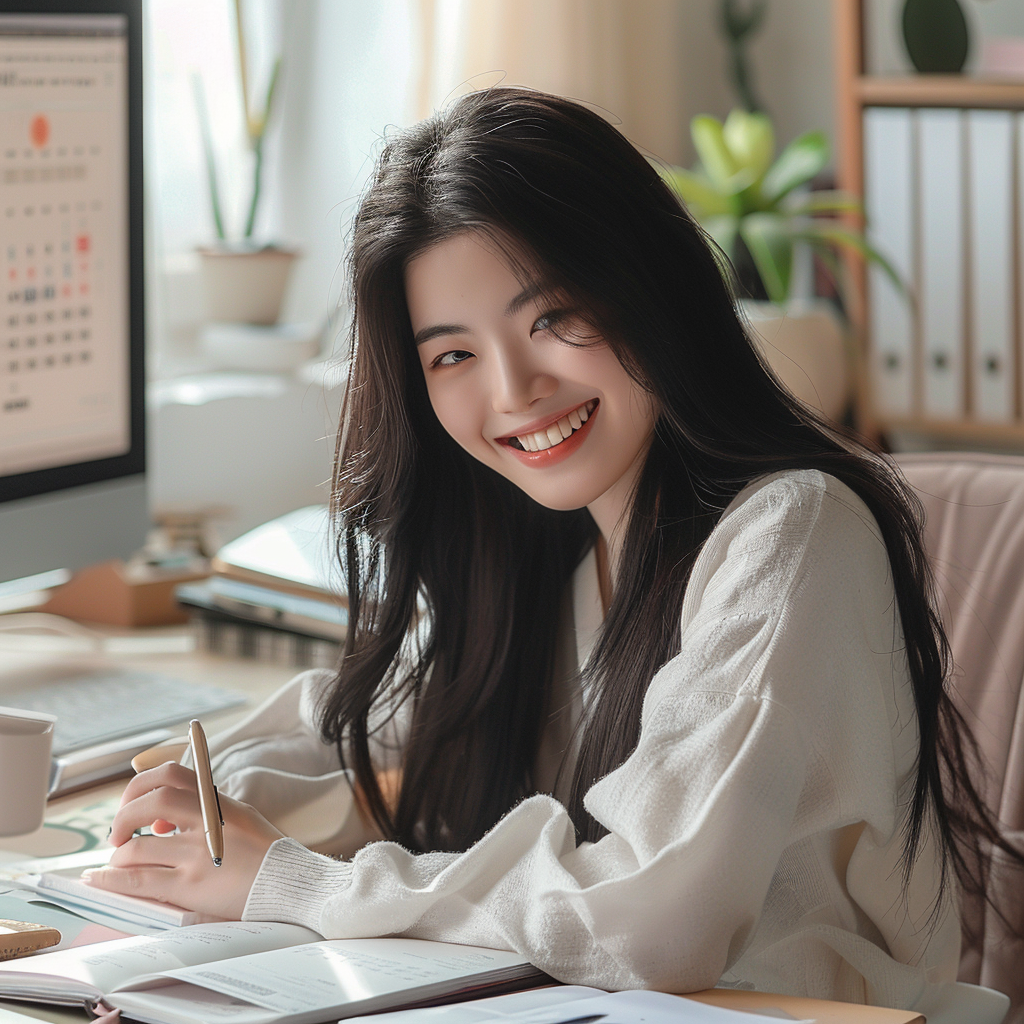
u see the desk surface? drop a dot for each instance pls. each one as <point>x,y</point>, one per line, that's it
<point>258,680</point>
<point>819,1010</point>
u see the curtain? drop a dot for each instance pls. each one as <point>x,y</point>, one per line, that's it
<point>621,58</point>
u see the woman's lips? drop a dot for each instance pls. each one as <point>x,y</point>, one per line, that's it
<point>560,451</point>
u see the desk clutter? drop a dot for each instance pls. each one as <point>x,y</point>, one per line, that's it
<point>20,937</point>
<point>261,973</point>
<point>105,716</point>
<point>272,595</point>
<point>272,973</point>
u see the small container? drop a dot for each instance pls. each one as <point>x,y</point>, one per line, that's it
<point>26,739</point>
<point>246,285</point>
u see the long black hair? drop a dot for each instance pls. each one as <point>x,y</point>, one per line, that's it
<point>428,535</point>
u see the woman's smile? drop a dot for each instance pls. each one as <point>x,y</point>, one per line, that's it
<point>552,436</point>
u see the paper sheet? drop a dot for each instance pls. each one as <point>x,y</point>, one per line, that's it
<point>574,1005</point>
<point>324,975</point>
<point>105,966</point>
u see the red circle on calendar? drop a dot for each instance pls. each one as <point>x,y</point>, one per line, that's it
<point>39,130</point>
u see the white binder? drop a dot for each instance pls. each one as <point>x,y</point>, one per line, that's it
<point>990,135</point>
<point>888,195</point>
<point>941,259</point>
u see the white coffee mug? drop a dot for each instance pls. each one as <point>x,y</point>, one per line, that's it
<point>26,738</point>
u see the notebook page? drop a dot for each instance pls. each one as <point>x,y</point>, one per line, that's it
<point>87,971</point>
<point>305,982</point>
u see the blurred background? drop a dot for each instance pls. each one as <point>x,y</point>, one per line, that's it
<point>243,414</point>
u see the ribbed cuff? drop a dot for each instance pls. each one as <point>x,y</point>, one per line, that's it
<point>294,884</point>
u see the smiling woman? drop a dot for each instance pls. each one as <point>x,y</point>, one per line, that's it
<point>641,679</point>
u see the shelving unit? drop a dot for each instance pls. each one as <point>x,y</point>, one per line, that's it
<point>859,92</point>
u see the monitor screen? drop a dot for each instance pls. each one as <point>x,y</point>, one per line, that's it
<point>71,310</point>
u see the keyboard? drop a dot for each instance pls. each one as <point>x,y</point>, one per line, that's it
<point>99,706</point>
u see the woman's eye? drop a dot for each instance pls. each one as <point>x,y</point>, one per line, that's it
<point>545,322</point>
<point>452,358</point>
<point>566,325</point>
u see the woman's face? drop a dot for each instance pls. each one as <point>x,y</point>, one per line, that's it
<point>564,422</point>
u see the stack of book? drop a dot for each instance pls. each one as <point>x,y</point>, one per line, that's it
<point>273,595</point>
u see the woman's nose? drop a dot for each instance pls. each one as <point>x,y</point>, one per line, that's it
<point>519,382</point>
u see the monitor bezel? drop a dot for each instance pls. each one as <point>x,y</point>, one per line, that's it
<point>56,479</point>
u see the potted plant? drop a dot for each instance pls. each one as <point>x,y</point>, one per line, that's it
<point>752,206</point>
<point>244,281</point>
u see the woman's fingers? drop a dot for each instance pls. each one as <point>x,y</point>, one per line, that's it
<point>168,775</point>
<point>152,881</point>
<point>156,851</point>
<point>166,806</point>
<point>178,868</point>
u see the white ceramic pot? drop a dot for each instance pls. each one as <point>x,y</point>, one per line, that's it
<point>804,345</point>
<point>274,347</point>
<point>245,286</point>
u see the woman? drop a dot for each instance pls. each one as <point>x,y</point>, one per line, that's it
<point>642,679</point>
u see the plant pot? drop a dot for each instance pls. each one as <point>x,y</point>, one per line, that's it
<point>804,345</point>
<point>275,348</point>
<point>245,285</point>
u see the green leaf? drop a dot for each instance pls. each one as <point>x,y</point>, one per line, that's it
<point>800,161</point>
<point>697,192</point>
<point>751,141</point>
<point>718,162</point>
<point>827,201</point>
<point>770,242</point>
<point>845,238</point>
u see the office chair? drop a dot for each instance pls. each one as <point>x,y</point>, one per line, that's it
<point>974,536</point>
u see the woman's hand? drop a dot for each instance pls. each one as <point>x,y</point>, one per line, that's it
<point>177,867</point>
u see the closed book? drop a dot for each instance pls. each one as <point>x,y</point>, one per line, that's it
<point>291,553</point>
<point>326,618</point>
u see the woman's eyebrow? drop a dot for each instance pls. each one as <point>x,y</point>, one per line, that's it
<point>515,304</point>
<point>528,294</point>
<point>437,330</point>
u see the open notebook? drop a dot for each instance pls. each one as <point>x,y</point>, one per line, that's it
<point>255,973</point>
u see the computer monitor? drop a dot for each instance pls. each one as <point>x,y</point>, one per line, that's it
<point>72,384</point>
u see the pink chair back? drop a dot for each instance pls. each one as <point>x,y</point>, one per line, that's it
<point>975,539</point>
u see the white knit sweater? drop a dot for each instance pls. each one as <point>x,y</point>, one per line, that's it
<point>754,834</point>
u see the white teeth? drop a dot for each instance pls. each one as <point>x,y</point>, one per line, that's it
<point>541,440</point>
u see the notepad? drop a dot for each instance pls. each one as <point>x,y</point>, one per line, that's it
<point>76,893</point>
<point>59,881</point>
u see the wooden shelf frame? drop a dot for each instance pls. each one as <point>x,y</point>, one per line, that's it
<point>938,91</point>
<point>855,90</point>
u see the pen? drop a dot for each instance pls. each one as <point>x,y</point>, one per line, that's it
<point>209,800</point>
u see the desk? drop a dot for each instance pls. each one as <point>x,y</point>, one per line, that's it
<point>258,680</point>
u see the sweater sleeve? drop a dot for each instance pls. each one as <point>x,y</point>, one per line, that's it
<point>276,760</point>
<point>729,770</point>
